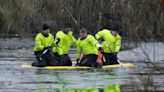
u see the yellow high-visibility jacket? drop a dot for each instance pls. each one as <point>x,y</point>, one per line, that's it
<point>42,41</point>
<point>87,46</point>
<point>65,42</point>
<point>111,43</point>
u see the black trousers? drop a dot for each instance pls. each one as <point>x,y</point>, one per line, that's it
<point>63,60</point>
<point>89,60</point>
<point>110,59</point>
<point>46,59</point>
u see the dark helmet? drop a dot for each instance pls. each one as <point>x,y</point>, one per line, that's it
<point>45,27</point>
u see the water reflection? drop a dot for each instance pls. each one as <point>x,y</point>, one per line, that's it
<point>109,88</point>
<point>78,80</point>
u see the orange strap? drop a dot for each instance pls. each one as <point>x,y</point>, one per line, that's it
<point>99,58</point>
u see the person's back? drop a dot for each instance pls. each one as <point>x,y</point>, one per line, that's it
<point>111,43</point>
<point>63,40</point>
<point>110,40</point>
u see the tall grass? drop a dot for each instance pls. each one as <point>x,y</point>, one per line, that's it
<point>138,19</point>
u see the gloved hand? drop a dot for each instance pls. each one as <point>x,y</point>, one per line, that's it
<point>101,49</point>
<point>57,41</point>
<point>100,40</point>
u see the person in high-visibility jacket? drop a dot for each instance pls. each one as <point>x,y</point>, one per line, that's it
<point>87,49</point>
<point>63,40</point>
<point>111,43</point>
<point>42,48</point>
